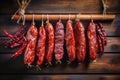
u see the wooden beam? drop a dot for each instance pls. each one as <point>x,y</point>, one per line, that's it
<point>66,16</point>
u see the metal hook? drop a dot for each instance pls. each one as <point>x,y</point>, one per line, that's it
<point>42,20</point>
<point>59,18</point>
<point>33,20</point>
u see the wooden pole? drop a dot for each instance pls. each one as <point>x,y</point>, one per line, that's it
<point>72,17</point>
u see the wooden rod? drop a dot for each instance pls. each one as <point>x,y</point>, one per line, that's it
<point>66,16</point>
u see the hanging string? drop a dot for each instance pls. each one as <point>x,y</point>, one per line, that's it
<point>59,18</point>
<point>21,10</point>
<point>91,18</point>
<point>42,21</point>
<point>47,19</point>
<point>69,17</point>
<point>33,20</point>
<point>105,6</point>
<point>78,17</point>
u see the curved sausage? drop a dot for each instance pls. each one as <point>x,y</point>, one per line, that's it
<point>104,33</point>
<point>70,41</point>
<point>41,46</point>
<point>80,41</point>
<point>92,40</point>
<point>30,49</point>
<point>49,42</point>
<point>59,41</point>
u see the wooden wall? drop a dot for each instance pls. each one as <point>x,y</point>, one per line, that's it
<point>107,67</point>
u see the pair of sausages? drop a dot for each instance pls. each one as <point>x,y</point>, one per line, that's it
<point>97,39</point>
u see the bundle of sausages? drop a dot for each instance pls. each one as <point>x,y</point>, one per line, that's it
<point>48,42</point>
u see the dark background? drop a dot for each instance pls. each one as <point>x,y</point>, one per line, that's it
<point>106,67</point>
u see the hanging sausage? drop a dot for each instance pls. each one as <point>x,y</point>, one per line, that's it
<point>49,42</point>
<point>70,41</point>
<point>92,40</point>
<point>80,41</point>
<point>40,50</point>
<point>59,41</point>
<point>31,37</point>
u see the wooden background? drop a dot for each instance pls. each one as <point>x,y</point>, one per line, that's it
<point>107,67</point>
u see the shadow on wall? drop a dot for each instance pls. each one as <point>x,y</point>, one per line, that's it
<point>116,25</point>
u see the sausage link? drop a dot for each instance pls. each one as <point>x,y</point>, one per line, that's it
<point>92,40</point>
<point>100,43</point>
<point>30,49</point>
<point>80,41</point>
<point>59,41</point>
<point>41,46</point>
<point>49,42</point>
<point>100,38</point>
<point>70,41</point>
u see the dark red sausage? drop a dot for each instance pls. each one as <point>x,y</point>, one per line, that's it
<point>104,34</point>
<point>59,41</point>
<point>80,41</point>
<point>92,40</point>
<point>30,49</point>
<point>41,46</point>
<point>49,42</point>
<point>100,44</point>
<point>70,41</point>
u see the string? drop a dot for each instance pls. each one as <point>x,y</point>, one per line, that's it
<point>33,21</point>
<point>59,18</point>
<point>47,19</point>
<point>69,17</point>
<point>42,21</point>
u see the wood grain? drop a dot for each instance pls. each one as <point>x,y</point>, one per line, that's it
<point>61,77</point>
<point>108,63</point>
<point>61,6</point>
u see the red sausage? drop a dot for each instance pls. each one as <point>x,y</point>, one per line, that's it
<point>104,34</point>
<point>59,41</point>
<point>80,41</point>
<point>41,46</point>
<point>100,43</point>
<point>30,49</point>
<point>92,40</point>
<point>49,42</point>
<point>70,41</point>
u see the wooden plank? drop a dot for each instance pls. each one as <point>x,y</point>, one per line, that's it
<point>108,63</point>
<point>60,77</point>
<point>113,45</point>
<point>61,6</point>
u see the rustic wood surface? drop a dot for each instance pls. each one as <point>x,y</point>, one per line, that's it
<point>106,67</point>
<point>108,63</point>
<point>62,77</point>
<point>61,6</point>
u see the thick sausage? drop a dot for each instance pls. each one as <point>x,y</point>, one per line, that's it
<point>80,41</point>
<point>59,41</point>
<point>30,49</point>
<point>41,46</point>
<point>92,40</point>
<point>70,41</point>
<point>49,42</point>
